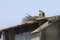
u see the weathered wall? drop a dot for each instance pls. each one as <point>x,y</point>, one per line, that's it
<point>1,37</point>
<point>52,32</point>
<point>27,36</point>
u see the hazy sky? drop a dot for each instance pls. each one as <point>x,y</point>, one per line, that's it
<point>12,11</point>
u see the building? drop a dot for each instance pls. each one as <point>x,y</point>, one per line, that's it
<point>42,28</point>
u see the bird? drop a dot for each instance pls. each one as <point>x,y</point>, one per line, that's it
<point>41,14</point>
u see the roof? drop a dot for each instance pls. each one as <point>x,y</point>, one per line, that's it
<point>53,18</point>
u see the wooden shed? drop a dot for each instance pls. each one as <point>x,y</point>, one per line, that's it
<point>40,29</point>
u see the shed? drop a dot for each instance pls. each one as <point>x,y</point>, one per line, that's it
<point>46,28</point>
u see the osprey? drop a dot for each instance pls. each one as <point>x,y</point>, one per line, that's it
<point>41,14</point>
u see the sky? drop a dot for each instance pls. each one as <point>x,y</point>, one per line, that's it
<point>13,11</point>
